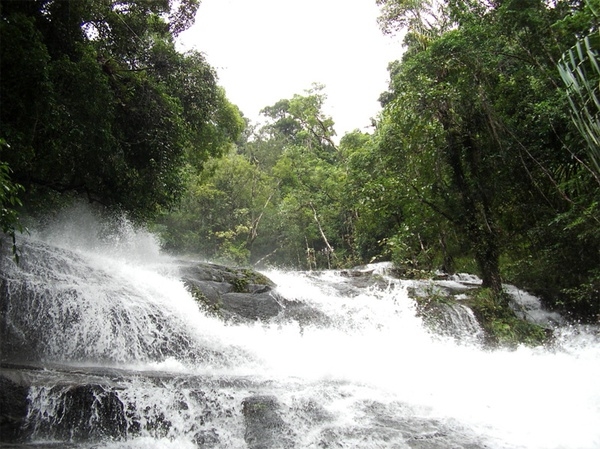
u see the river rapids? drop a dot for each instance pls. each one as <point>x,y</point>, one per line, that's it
<point>113,352</point>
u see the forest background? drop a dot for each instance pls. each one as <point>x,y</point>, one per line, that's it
<point>485,157</point>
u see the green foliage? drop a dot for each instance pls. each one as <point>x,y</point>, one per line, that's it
<point>580,70</point>
<point>231,251</point>
<point>9,201</point>
<point>419,18</point>
<point>220,213</point>
<point>474,164</point>
<point>371,196</point>
<point>308,225</point>
<point>211,307</point>
<point>499,322</point>
<point>584,298</point>
<point>279,198</point>
<point>97,102</point>
<point>240,285</point>
<point>476,141</point>
<point>438,133</point>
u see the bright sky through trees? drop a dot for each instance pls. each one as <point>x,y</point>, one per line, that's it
<point>266,50</point>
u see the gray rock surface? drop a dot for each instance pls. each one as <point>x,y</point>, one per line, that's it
<point>13,409</point>
<point>265,429</point>
<point>242,295</point>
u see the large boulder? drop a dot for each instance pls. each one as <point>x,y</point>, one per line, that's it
<point>236,294</point>
<point>85,413</point>
<point>242,295</point>
<point>13,409</point>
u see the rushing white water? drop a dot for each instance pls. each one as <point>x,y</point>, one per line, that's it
<point>371,376</point>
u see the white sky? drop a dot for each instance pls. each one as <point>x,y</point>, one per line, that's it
<point>267,50</point>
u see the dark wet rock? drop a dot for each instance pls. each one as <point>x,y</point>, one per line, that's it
<point>234,294</point>
<point>265,429</point>
<point>239,280</point>
<point>84,413</point>
<point>360,278</point>
<point>13,410</point>
<point>303,314</point>
<point>80,407</point>
<point>206,438</point>
<point>251,306</point>
<point>242,295</point>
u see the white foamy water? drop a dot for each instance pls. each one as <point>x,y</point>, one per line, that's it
<point>370,375</point>
<point>531,398</point>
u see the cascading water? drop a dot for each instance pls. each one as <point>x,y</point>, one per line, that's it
<point>116,353</point>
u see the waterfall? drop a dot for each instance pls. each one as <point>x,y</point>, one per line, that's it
<point>529,307</point>
<point>107,349</point>
<point>64,307</point>
<point>458,321</point>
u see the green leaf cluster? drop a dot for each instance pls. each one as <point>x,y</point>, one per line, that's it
<point>97,102</point>
<point>278,198</point>
<point>9,202</point>
<point>501,326</point>
<point>476,134</point>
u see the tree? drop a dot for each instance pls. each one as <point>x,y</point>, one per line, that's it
<point>97,101</point>
<point>474,127</point>
<point>9,202</point>
<point>220,216</point>
<point>278,197</point>
<point>310,172</point>
<point>443,106</point>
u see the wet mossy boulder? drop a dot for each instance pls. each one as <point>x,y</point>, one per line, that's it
<point>237,294</point>
<point>503,328</point>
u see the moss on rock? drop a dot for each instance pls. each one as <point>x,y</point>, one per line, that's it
<point>501,325</point>
<point>211,307</point>
<point>243,278</point>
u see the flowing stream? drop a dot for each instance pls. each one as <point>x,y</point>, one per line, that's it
<point>117,354</point>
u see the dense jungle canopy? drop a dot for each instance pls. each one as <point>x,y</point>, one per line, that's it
<point>485,158</point>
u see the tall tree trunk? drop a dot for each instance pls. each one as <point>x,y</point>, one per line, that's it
<point>488,259</point>
<point>463,157</point>
<point>330,250</point>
